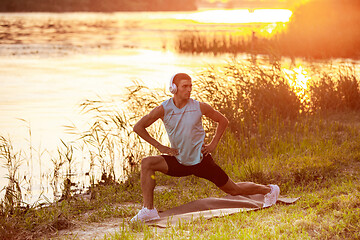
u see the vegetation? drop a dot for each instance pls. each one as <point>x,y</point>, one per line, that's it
<point>94,5</point>
<point>305,141</point>
<point>317,29</point>
<point>322,29</point>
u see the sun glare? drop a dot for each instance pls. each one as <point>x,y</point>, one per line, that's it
<point>299,79</point>
<point>239,16</point>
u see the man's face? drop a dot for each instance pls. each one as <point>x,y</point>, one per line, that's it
<point>184,89</point>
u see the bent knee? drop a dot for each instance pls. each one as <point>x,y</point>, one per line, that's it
<point>151,162</point>
<point>146,162</point>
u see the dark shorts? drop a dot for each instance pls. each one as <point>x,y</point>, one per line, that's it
<point>207,169</point>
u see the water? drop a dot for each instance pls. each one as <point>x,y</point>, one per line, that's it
<point>51,62</point>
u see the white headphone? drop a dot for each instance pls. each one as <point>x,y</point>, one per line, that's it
<point>172,87</point>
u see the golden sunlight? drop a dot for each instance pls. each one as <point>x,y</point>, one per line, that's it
<point>298,78</point>
<point>239,16</point>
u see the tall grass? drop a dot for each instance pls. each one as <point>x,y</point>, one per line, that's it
<point>110,138</point>
<point>12,161</point>
<point>248,94</point>
<point>196,42</point>
<point>339,91</point>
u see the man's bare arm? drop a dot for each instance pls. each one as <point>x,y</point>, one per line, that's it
<point>146,121</point>
<point>222,121</point>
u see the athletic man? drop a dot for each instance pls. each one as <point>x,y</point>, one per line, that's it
<point>188,154</point>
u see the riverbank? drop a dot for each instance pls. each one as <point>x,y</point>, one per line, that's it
<point>328,208</point>
<point>321,166</point>
<point>278,133</point>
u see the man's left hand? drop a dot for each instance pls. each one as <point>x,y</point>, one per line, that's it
<point>207,149</point>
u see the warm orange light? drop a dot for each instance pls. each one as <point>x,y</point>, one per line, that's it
<point>299,79</point>
<point>239,16</point>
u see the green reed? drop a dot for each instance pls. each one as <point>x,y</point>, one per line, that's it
<point>12,161</point>
<point>108,138</point>
<point>197,42</point>
<point>58,162</point>
<point>339,91</point>
<point>248,94</point>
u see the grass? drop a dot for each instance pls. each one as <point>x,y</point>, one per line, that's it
<point>328,209</point>
<point>309,150</point>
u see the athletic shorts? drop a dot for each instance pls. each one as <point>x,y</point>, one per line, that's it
<point>207,169</point>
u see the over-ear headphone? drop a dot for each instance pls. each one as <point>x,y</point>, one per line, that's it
<point>172,87</point>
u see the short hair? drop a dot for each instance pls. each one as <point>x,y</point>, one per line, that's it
<point>180,76</point>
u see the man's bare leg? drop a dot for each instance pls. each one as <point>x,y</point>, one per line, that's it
<point>244,188</point>
<point>149,166</point>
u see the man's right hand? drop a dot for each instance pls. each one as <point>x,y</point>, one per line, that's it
<point>167,150</point>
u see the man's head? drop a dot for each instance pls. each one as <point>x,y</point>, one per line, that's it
<point>175,80</point>
<point>181,86</point>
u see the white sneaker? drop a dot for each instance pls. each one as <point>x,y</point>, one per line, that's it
<point>145,215</point>
<point>271,197</point>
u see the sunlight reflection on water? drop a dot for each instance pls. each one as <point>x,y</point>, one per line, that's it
<point>239,16</point>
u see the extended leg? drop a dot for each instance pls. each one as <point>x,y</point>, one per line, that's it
<point>271,192</point>
<point>244,188</point>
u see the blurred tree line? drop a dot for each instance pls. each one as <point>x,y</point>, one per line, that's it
<point>95,5</point>
<point>323,28</point>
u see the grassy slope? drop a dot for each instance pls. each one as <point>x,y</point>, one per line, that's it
<point>326,178</point>
<point>329,204</point>
<point>313,156</point>
<point>321,165</point>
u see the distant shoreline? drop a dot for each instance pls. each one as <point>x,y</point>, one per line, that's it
<point>106,6</point>
<point>87,11</point>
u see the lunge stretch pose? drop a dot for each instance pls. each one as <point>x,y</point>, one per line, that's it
<point>188,154</point>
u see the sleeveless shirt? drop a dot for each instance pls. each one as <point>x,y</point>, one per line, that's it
<point>185,130</point>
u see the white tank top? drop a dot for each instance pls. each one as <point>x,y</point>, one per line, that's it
<point>185,130</point>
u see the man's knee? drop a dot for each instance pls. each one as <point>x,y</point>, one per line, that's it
<point>146,163</point>
<point>152,163</point>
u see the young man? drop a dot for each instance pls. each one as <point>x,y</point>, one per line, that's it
<point>188,154</point>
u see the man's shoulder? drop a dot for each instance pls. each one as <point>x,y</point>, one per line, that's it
<point>165,102</point>
<point>195,101</point>
<point>157,112</point>
<point>205,107</point>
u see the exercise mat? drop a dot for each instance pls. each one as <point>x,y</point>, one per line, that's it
<point>212,207</point>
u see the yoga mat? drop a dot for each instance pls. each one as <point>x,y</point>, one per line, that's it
<point>208,208</point>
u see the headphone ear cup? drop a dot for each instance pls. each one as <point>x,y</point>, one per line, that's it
<point>172,86</point>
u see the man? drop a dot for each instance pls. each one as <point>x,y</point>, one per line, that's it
<point>188,154</point>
